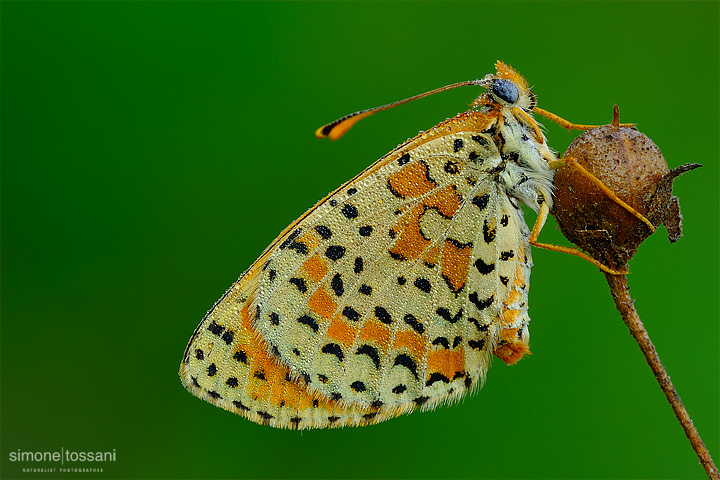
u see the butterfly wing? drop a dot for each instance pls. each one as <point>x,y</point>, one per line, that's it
<point>370,298</point>
<point>227,364</point>
<point>391,293</point>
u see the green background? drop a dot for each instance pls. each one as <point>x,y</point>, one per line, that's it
<point>150,151</point>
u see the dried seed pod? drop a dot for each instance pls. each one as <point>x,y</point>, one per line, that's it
<point>630,165</point>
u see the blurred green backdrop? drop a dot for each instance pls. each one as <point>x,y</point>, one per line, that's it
<point>150,151</point>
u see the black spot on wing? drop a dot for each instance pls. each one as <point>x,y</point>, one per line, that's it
<point>445,313</point>
<point>291,238</point>
<point>299,247</point>
<point>227,337</point>
<point>358,268</point>
<point>436,377</point>
<point>351,313</point>
<point>407,362</point>
<point>215,329</point>
<point>412,321</point>
<point>365,231</point>
<point>451,167</point>
<point>334,349</point>
<point>337,285</point>
<point>476,344</point>
<point>480,328</point>
<point>358,386</point>
<point>398,389</point>
<point>480,304</point>
<point>393,191</point>
<point>488,232</point>
<point>371,352</point>
<point>335,252</point>
<point>349,211</point>
<point>310,322</point>
<point>240,356</point>
<point>442,341</point>
<point>398,256</point>
<point>265,416</point>
<point>481,201</point>
<point>299,283</point>
<point>481,140</point>
<point>323,231</point>
<point>422,284</point>
<point>483,267</point>
<point>383,315</point>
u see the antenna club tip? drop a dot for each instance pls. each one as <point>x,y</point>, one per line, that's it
<point>320,133</point>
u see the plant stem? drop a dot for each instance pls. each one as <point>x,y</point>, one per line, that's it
<point>624,304</point>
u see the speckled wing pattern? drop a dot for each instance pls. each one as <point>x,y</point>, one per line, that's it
<point>390,294</point>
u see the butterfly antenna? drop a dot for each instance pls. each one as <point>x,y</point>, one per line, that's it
<point>337,129</point>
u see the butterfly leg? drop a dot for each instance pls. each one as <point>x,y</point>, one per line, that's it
<point>540,223</point>
<point>569,125</point>
<point>571,162</point>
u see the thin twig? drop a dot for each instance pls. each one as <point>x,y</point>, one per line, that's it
<point>624,304</point>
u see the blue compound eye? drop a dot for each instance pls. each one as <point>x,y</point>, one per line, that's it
<point>505,90</point>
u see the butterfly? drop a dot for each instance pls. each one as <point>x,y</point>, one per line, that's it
<point>395,291</point>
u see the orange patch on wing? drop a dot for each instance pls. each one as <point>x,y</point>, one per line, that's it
<point>279,393</point>
<point>322,303</point>
<point>446,362</point>
<point>263,374</point>
<point>411,181</point>
<point>311,241</point>
<point>455,262</point>
<point>341,332</point>
<point>245,321</point>
<point>316,268</point>
<point>432,255</point>
<point>410,244</point>
<point>376,331</point>
<point>509,316</point>
<point>446,201</point>
<point>303,399</point>
<point>513,297</point>
<point>410,340</point>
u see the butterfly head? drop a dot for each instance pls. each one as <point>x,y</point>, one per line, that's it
<point>506,89</point>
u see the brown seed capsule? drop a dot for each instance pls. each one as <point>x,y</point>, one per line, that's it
<point>632,166</point>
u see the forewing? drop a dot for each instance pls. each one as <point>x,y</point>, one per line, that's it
<point>366,297</point>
